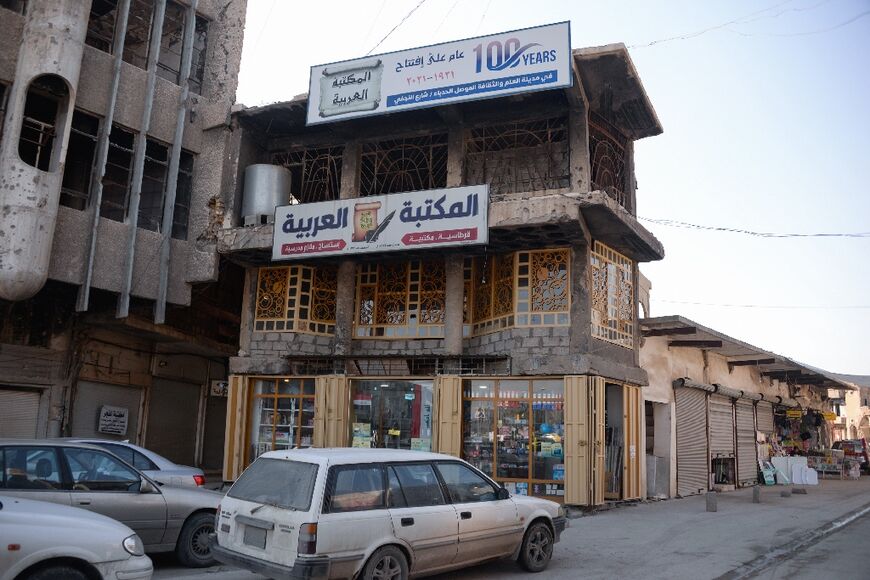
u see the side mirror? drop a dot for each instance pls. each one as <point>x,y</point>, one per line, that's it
<point>147,487</point>
<point>503,493</point>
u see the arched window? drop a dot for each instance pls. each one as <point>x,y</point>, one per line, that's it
<point>45,112</point>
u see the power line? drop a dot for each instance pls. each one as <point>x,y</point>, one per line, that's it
<point>804,33</point>
<point>483,16</point>
<point>443,20</point>
<point>690,226</point>
<point>770,306</point>
<point>401,22</point>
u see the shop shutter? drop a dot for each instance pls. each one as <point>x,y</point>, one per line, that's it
<point>747,463</point>
<point>331,409</point>
<point>448,430</point>
<point>576,448</point>
<point>173,419</point>
<point>19,411</point>
<point>764,412</point>
<point>635,458</point>
<point>90,398</point>
<point>693,473</point>
<point>721,426</point>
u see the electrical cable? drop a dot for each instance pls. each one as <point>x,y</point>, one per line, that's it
<point>804,33</point>
<point>401,22</point>
<point>771,306</point>
<point>691,226</point>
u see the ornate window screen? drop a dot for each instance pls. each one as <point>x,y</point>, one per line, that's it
<point>315,173</point>
<point>401,300</point>
<point>514,157</point>
<point>409,164</point>
<point>518,289</point>
<point>607,154</point>
<point>612,296</point>
<point>296,299</point>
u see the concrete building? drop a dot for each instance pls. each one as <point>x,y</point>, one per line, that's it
<point>520,355</point>
<point>715,403</point>
<point>854,413</point>
<point>114,126</point>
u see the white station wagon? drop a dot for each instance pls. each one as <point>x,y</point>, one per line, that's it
<point>376,513</point>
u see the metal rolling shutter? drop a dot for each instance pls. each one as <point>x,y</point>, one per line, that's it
<point>721,426</point>
<point>764,411</point>
<point>19,411</point>
<point>692,460</point>
<point>89,399</point>
<point>747,463</point>
<point>173,416</point>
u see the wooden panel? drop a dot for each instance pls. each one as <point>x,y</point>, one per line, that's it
<point>331,408</point>
<point>448,419</point>
<point>747,463</point>
<point>693,472</point>
<point>764,414</point>
<point>576,450</point>
<point>597,421</point>
<point>721,426</point>
<point>234,440</point>
<point>634,463</point>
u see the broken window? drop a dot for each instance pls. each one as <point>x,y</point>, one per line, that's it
<point>514,157</point>
<point>171,42</point>
<point>79,161</point>
<point>18,6</point>
<point>315,174</point>
<point>197,65</point>
<point>153,186</point>
<point>101,25</point>
<point>607,155</point>
<point>138,33</point>
<point>119,168</point>
<point>183,190</point>
<point>405,164</point>
<point>44,110</point>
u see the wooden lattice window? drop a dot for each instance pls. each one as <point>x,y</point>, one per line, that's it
<point>607,153</point>
<point>526,156</point>
<point>315,174</point>
<point>530,288</point>
<point>401,300</point>
<point>296,299</point>
<point>612,296</point>
<point>407,164</point>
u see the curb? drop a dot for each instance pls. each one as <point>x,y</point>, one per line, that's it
<point>761,563</point>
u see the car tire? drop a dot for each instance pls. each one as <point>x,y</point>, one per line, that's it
<point>537,548</point>
<point>193,548</point>
<point>57,573</point>
<point>387,563</point>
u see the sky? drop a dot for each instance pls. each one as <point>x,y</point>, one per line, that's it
<point>766,115</point>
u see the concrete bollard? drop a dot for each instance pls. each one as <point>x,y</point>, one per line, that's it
<point>785,493</point>
<point>799,490</point>
<point>711,501</point>
<point>756,494</point>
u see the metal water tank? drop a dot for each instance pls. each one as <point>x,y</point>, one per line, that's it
<point>266,187</point>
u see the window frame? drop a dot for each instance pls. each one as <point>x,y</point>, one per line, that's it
<point>441,485</point>
<point>496,487</point>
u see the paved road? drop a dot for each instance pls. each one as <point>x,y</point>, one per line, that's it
<point>844,555</point>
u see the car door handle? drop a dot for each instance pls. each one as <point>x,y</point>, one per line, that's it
<point>407,522</point>
<point>465,515</point>
<point>84,502</point>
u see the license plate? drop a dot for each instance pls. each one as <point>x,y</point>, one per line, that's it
<point>255,537</point>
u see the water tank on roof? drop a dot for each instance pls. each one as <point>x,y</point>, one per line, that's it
<point>266,187</point>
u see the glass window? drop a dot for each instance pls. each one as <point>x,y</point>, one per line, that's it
<point>419,484</point>
<point>278,482</point>
<point>183,191</point>
<point>153,186</point>
<point>282,414</point>
<point>464,485</point>
<point>124,453</point>
<point>79,161</point>
<point>119,168</point>
<point>35,468</point>
<point>549,430</point>
<point>142,462</point>
<point>171,42</point>
<point>357,488</point>
<point>99,471</point>
<point>197,65</point>
<point>392,414</point>
<point>396,497</point>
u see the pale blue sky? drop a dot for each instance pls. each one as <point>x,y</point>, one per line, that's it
<point>767,128</point>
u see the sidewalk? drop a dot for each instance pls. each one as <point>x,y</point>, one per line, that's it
<point>679,539</point>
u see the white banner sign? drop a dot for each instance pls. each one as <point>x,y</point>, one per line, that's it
<point>113,420</point>
<point>478,68</point>
<point>383,223</point>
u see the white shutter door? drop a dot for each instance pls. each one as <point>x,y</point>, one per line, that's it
<point>764,411</point>
<point>747,464</point>
<point>692,458</point>
<point>721,426</point>
<point>18,413</point>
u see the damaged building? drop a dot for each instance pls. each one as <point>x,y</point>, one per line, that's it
<point>521,354</point>
<point>113,299</point>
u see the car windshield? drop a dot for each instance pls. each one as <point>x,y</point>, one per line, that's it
<point>278,482</point>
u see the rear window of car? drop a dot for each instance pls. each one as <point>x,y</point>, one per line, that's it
<point>277,482</point>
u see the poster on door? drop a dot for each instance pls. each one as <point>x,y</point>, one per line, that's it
<point>113,420</point>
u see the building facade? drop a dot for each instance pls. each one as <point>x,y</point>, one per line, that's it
<point>521,355</point>
<point>114,124</point>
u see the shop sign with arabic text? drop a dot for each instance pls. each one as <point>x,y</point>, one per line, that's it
<point>385,223</point>
<point>520,61</point>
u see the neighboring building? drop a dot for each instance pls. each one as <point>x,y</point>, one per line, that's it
<point>711,398</point>
<point>521,355</point>
<point>114,126</point>
<point>854,413</point>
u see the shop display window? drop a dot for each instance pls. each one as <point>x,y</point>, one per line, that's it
<point>513,431</point>
<point>392,414</point>
<point>282,414</point>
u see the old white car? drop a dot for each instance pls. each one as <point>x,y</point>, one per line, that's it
<point>372,513</point>
<point>46,541</point>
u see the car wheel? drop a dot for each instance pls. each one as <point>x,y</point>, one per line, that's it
<point>537,548</point>
<point>57,573</point>
<point>387,563</point>
<point>193,549</point>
